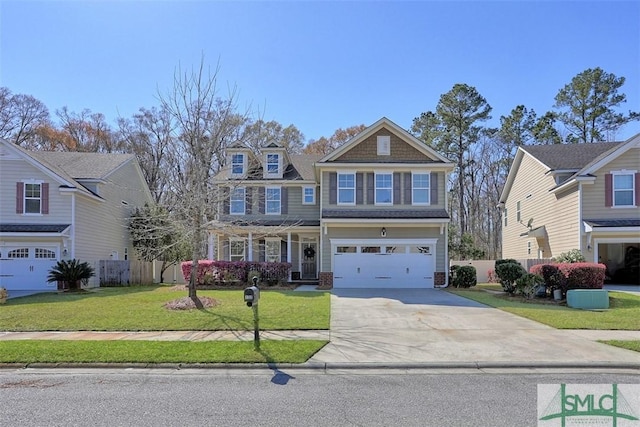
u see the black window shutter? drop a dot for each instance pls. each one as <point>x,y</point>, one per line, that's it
<point>261,192</point>
<point>284,200</point>
<point>397,186</point>
<point>225,201</point>
<point>248,200</point>
<point>434,188</point>
<point>407,188</point>
<point>370,189</point>
<point>359,189</point>
<point>333,188</point>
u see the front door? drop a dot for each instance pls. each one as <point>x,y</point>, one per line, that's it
<point>309,263</point>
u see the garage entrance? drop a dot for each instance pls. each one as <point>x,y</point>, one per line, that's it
<point>24,269</point>
<point>383,263</point>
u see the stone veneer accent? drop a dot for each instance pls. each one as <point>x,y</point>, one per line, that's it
<point>439,278</point>
<point>325,280</point>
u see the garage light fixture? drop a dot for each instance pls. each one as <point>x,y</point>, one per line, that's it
<point>383,232</point>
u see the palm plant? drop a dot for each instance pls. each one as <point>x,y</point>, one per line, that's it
<point>71,273</point>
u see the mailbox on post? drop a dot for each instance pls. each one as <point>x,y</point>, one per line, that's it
<point>251,296</point>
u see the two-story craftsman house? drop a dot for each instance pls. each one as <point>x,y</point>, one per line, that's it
<point>371,214</point>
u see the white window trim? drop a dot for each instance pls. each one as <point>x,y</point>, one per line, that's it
<point>277,173</point>
<point>244,247</point>
<point>244,200</point>
<point>633,188</point>
<point>345,188</point>
<point>244,164</point>
<point>268,240</point>
<point>313,194</point>
<point>375,189</point>
<point>384,145</point>
<point>413,188</point>
<point>24,197</point>
<point>266,200</point>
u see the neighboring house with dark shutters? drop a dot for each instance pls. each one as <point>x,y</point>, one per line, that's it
<point>575,196</point>
<point>371,214</point>
<point>63,205</point>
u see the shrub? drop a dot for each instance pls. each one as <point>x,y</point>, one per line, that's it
<point>551,274</point>
<point>453,272</point>
<point>583,275</point>
<point>465,276</point>
<point>3,295</point>
<point>508,273</point>
<point>72,273</point>
<point>573,256</point>
<point>527,285</point>
<point>225,272</point>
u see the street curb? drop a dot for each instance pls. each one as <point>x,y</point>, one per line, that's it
<point>329,366</point>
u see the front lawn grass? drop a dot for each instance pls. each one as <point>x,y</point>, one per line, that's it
<point>629,345</point>
<point>60,351</point>
<point>623,314</point>
<point>140,308</point>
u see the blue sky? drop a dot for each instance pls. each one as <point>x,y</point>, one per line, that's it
<point>318,65</point>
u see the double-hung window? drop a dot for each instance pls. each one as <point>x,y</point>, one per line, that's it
<point>308,195</point>
<point>272,199</point>
<point>236,250</point>
<point>623,190</point>
<point>346,188</point>
<point>273,164</point>
<point>421,189</point>
<point>518,213</point>
<point>237,164</point>
<point>384,189</point>
<point>32,198</point>
<point>237,201</point>
<point>272,247</point>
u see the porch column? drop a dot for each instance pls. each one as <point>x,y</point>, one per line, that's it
<point>250,247</point>
<point>289,251</point>
<point>210,247</point>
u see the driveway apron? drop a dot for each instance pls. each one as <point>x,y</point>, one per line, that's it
<point>435,326</point>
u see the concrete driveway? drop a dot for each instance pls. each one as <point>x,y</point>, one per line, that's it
<point>432,326</point>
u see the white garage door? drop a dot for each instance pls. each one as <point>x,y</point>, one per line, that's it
<point>383,264</point>
<point>24,269</point>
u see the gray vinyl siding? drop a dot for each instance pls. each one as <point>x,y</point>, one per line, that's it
<point>406,232</point>
<point>295,209</point>
<point>368,174</point>
<point>12,171</point>
<point>101,227</point>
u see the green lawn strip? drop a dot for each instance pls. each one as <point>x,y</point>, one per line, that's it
<point>141,309</point>
<point>629,345</point>
<point>121,351</point>
<point>623,314</point>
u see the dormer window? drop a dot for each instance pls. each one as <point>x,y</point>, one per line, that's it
<point>273,164</point>
<point>237,164</point>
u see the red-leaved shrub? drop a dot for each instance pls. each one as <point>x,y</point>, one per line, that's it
<point>579,275</point>
<point>219,272</point>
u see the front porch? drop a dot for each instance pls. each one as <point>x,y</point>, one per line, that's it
<point>297,247</point>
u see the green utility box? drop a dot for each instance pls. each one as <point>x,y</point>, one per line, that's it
<point>588,299</point>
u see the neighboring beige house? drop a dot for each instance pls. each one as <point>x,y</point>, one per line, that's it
<point>371,214</point>
<point>575,196</point>
<point>63,205</point>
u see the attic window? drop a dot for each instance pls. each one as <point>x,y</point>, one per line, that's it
<point>273,164</point>
<point>384,145</point>
<point>237,164</point>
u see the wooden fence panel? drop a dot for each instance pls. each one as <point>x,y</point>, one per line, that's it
<point>124,273</point>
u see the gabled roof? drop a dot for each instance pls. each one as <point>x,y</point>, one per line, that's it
<point>70,168</point>
<point>569,156</point>
<point>581,159</point>
<point>300,168</point>
<point>385,123</point>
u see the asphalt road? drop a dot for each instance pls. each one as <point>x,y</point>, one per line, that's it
<point>273,398</point>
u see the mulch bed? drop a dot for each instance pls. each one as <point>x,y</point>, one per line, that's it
<point>187,303</point>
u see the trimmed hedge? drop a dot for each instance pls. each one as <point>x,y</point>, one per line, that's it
<point>579,275</point>
<point>464,276</point>
<point>225,272</point>
<point>508,271</point>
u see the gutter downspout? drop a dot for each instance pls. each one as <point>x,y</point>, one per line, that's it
<point>73,225</point>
